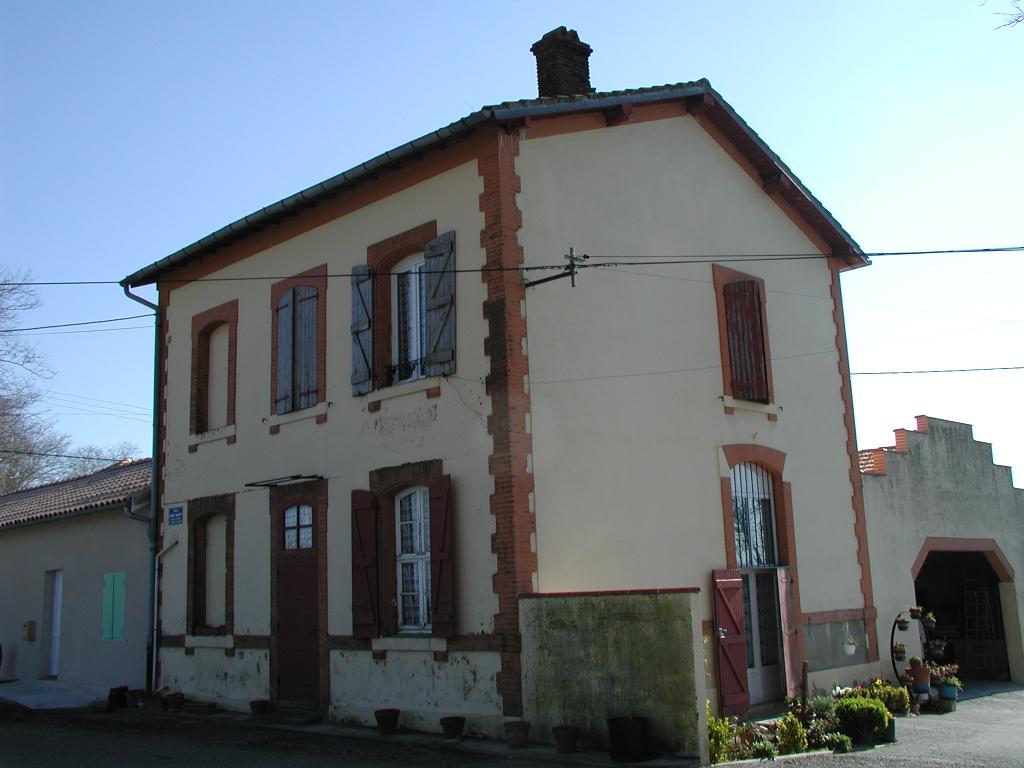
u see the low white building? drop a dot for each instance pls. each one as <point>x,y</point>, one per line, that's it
<point>946,530</point>
<point>75,568</point>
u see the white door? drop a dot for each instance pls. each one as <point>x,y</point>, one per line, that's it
<point>57,590</point>
<point>764,647</point>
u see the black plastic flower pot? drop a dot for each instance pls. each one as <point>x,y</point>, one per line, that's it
<point>566,737</point>
<point>627,738</point>
<point>387,721</point>
<point>452,726</point>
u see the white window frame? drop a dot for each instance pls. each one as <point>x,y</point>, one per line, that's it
<point>418,559</point>
<point>417,317</point>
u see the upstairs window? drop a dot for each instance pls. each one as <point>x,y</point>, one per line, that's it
<point>403,310</point>
<point>408,320</point>
<point>214,336</point>
<point>743,337</point>
<point>298,341</point>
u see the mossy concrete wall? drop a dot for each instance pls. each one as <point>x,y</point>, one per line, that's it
<point>588,657</point>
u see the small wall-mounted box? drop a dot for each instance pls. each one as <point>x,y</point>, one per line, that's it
<point>28,631</point>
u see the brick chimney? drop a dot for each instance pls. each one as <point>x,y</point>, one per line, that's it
<point>562,66</point>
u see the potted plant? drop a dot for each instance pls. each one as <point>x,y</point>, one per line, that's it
<point>899,651</point>
<point>452,726</point>
<point>516,732</point>
<point>850,646</point>
<point>928,620</point>
<point>902,623</point>
<point>916,611</point>
<point>387,720</point>
<point>920,675</point>
<point>566,737</point>
<point>949,687</point>
<point>936,648</point>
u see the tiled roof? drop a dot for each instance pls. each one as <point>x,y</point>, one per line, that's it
<point>721,114</point>
<point>116,484</point>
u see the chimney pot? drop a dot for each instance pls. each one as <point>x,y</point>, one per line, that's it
<point>563,68</point>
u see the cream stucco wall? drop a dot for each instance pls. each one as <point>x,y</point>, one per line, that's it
<point>625,379</point>
<point>84,548</point>
<point>945,485</point>
<point>408,427</point>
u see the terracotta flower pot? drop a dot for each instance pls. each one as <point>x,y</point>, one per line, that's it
<point>566,737</point>
<point>387,721</point>
<point>452,726</point>
<point>921,679</point>
<point>516,733</point>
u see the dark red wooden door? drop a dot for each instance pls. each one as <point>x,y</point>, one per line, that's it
<point>297,659</point>
<point>732,642</point>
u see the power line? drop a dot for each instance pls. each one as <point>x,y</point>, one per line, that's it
<point>938,370</point>
<point>69,325</point>
<point>90,330</point>
<point>56,455</point>
<point>643,260</point>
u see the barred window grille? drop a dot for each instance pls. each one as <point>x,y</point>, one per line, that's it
<point>753,510</point>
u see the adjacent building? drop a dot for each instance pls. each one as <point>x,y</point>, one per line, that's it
<point>75,562</point>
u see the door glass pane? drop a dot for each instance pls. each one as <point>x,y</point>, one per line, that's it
<point>753,511</point>
<point>305,515</point>
<point>306,538</point>
<point>767,618</point>
<point>747,625</point>
<point>290,517</point>
<point>291,537</point>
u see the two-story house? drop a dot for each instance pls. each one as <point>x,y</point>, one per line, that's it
<point>379,428</point>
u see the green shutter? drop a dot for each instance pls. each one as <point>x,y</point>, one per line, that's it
<point>112,618</point>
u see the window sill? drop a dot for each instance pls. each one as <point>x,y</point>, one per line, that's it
<point>209,641</point>
<point>318,412</point>
<point>424,643</point>
<point>771,410</point>
<point>430,384</point>
<point>227,434</point>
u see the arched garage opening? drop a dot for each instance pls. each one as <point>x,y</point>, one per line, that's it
<point>958,580</point>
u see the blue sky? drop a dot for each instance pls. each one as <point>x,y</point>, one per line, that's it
<point>129,130</point>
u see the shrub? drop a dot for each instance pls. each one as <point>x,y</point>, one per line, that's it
<point>953,681</point>
<point>822,727</point>
<point>821,706</point>
<point>720,733</point>
<point>763,749</point>
<point>837,742</point>
<point>895,697</point>
<point>790,735</point>
<point>862,719</point>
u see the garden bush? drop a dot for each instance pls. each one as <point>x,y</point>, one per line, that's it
<point>862,719</point>
<point>790,735</point>
<point>837,742</point>
<point>720,733</point>
<point>822,727</point>
<point>762,749</point>
<point>895,697</point>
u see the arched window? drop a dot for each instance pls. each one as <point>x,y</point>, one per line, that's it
<point>753,514</point>
<point>412,533</point>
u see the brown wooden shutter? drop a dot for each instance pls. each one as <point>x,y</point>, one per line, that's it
<point>285,311</point>
<point>439,271</point>
<point>442,558</point>
<point>362,329</point>
<point>305,342</point>
<point>733,691</point>
<point>746,340</point>
<point>365,583</point>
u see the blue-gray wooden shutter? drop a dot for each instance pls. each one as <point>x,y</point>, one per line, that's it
<point>305,346</point>
<point>285,311</point>
<point>362,329</point>
<point>439,266</point>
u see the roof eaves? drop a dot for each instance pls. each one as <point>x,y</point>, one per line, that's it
<point>305,197</point>
<point>107,505</point>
